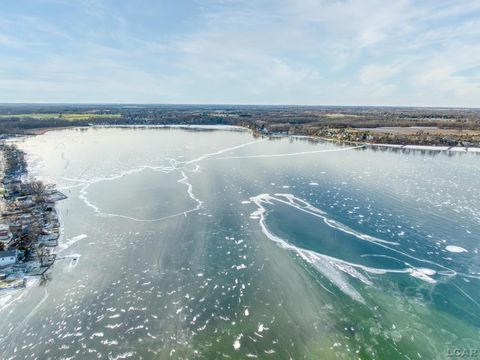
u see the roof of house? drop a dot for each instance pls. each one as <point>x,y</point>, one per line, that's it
<point>8,253</point>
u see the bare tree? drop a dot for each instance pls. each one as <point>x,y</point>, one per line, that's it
<point>34,231</point>
<point>43,253</point>
<point>37,189</point>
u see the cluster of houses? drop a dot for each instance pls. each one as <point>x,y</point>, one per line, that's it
<point>362,135</point>
<point>29,224</point>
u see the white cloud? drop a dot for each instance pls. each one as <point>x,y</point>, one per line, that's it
<point>374,73</point>
<point>285,51</point>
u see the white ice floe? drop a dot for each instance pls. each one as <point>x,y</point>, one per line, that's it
<point>455,249</point>
<point>236,343</point>
<point>69,242</point>
<point>109,342</point>
<point>124,355</point>
<point>423,274</point>
<point>113,326</point>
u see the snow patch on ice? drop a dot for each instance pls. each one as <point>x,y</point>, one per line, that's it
<point>455,249</point>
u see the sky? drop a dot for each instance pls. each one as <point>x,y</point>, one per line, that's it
<point>313,52</point>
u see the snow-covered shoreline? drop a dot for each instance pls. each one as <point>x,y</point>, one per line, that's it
<point>429,147</point>
<point>456,149</point>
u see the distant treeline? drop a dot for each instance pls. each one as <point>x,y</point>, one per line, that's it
<point>18,119</point>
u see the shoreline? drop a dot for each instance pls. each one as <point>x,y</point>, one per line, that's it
<point>456,149</point>
<point>29,226</point>
<point>255,132</point>
<point>42,131</point>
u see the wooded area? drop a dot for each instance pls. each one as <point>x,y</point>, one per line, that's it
<point>339,123</point>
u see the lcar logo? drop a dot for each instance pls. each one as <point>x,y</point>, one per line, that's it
<point>463,353</point>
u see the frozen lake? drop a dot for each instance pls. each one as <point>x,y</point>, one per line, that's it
<point>207,244</point>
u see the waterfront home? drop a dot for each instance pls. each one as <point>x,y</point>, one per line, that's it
<point>55,195</point>
<point>50,239</point>
<point>25,202</point>
<point>12,188</point>
<point>5,234</point>
<point>8,257</point>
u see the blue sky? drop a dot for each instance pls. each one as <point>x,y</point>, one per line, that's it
<point>337,52</point>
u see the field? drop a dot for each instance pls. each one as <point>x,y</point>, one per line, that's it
<point>412,130</point>
<point>339,116</point>
<point>64,116</point>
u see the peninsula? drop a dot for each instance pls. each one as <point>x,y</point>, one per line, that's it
<point>29,225</point>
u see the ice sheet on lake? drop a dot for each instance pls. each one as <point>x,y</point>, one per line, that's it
<point>335,268</point>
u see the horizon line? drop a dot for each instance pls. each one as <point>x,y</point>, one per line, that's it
<point>237,104</point>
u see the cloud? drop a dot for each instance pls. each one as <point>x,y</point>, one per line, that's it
<point>373,73</point>
<point>6,40</point>
<point>284,51</point>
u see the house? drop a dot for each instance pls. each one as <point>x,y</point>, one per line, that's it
<point>50,239</point>
<point>5,233</point>
<point>12,186</point>
<point>8,257</point>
